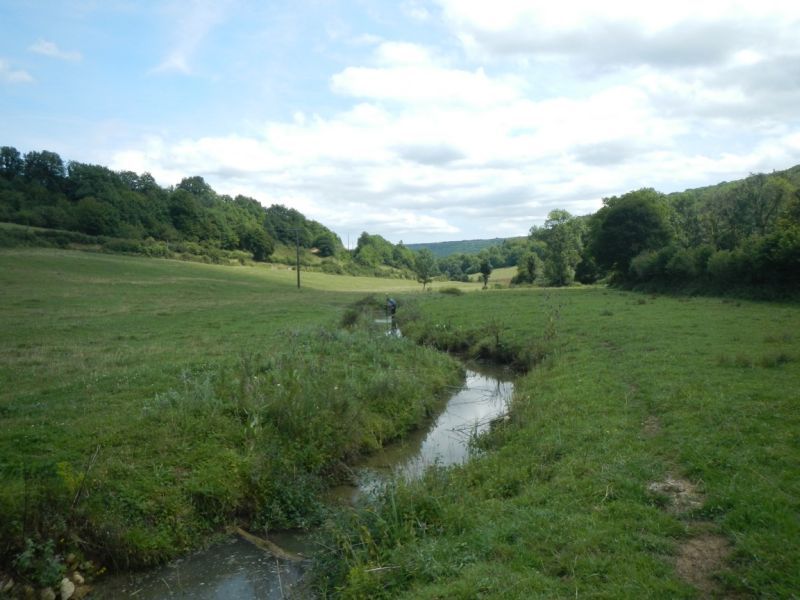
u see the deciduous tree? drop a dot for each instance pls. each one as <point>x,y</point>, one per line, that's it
<point>563,235</point>
<point>627,226</point>
<point>425,266</point>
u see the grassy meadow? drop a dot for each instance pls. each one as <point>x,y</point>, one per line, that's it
<point>146,403</point>
<point>652,451</point>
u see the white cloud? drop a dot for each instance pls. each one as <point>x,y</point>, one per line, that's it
<point>416,10</point>
<point>403,53</point>
<point>434,145</point>
<point>423,84</point>
<point>191,22</point>
<point>624,33</point>
<point>9,74</point>
<point>47,48</point>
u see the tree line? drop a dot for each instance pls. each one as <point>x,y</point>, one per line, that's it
<point>743,234</point>
<point>40,190</point>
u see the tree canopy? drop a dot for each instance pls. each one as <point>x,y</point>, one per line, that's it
<point>627,226</point>
<point>38,189</point>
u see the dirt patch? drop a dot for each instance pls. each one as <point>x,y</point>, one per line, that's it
<point>651,426</point>
<point>704,555</point>
<point>699,559</point>
<point>682,494</point>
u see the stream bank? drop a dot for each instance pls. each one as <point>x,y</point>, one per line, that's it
<point>237,568</point>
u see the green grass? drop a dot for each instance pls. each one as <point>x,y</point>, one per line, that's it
<point>628,390</point>
<point>211,395</point>
<point>224,394</point>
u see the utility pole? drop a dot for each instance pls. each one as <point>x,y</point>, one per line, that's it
<point>297,247</point>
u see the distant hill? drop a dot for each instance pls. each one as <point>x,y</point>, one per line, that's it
<point>442,249</point>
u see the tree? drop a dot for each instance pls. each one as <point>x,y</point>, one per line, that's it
<point>11,163</point>
<point>95,217</point>
<point>187,215</point>
<point>256,240</point>
<point>425,266</point>
<point>486,271</point>
<point>325,244</point>
<point>563,235</point>
<point>627,226</point>
<point>528,268</point>
<point>198,188</point>
<point>45,168</point>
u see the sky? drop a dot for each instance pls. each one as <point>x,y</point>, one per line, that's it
<point>419,120</point>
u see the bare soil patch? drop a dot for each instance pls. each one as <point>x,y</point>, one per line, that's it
<point>651,426</point>
<point>699,559</point>
<point>704,555</point>
<point>683,495</point>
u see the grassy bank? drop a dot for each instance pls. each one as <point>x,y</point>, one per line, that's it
<point>146,403</point>
<point>652,453</point>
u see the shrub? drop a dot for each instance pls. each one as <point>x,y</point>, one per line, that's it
<point>39,563</point>
<point>644,266</point>
<point>123,246</point>
<point>728,266</point>
<point>452,291</point>
<point>681,266</point>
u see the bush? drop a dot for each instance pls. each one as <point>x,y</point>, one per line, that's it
<point>681,267</point>
<point>644,266</point>
<point>123,246</point>
<point>452,291</point>
<point>726,267</point>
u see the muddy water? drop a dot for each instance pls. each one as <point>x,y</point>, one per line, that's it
<point>235,568</point>
<point>483,398</point>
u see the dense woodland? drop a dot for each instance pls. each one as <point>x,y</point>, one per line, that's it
<point>741,234</point>
<point>39,190</point>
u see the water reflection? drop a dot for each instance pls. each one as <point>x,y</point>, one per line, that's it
<point>484,397</point>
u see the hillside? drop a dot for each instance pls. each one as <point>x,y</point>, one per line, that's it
<point>443,249</point>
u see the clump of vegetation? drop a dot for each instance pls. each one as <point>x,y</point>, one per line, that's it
<point>479,338</point>
<point>452,291</point>
<point>39,564</point>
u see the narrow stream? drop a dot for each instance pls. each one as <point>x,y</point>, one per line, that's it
<point>235,568</point>
<point>484,397</point>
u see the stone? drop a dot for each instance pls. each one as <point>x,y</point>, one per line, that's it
<point>81,592</point>
<point>6,586</point>
<point>67,589</point>
<point>78,578</point>
<point>47,594</point>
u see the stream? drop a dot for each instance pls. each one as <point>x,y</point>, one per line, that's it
<point>235,568</point>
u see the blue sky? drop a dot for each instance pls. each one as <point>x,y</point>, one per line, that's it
<point>420,120</point>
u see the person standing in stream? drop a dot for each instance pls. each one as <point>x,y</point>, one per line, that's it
<point>391,309</point>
